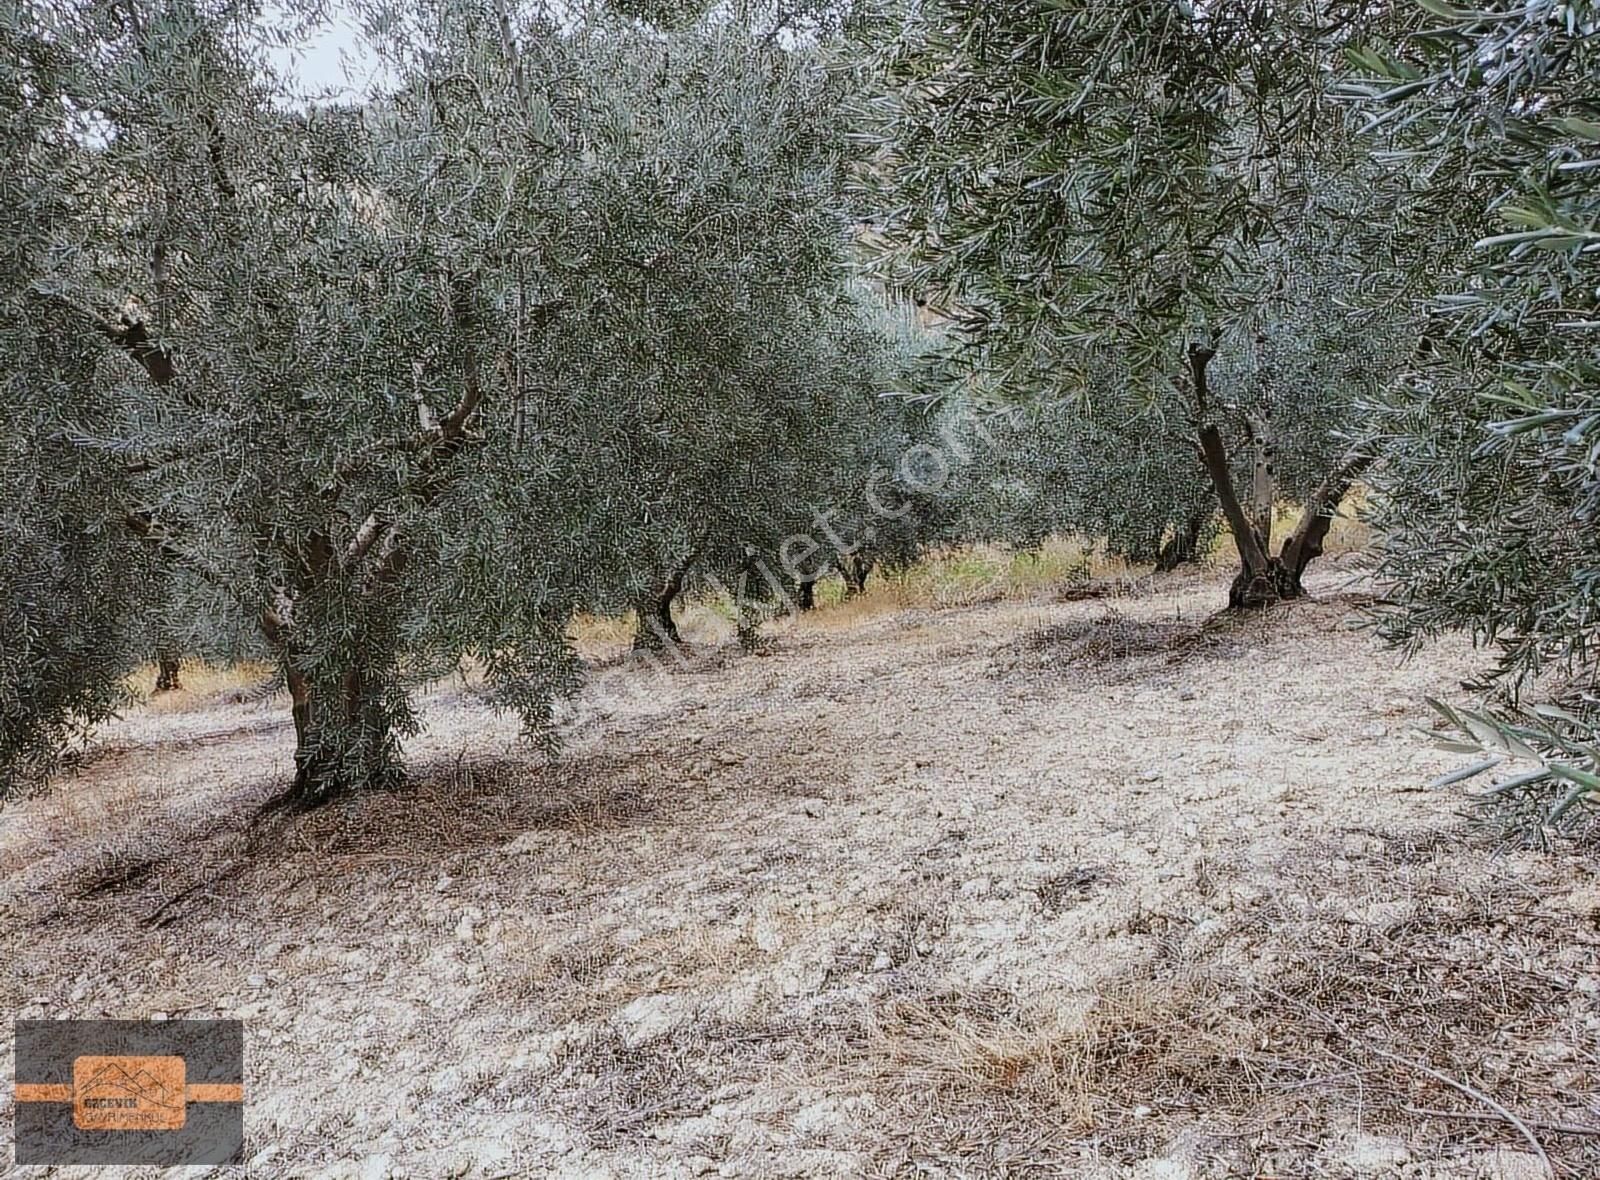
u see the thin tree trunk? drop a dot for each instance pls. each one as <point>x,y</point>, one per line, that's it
<point>168,663</point>
<point>805,595</point>
<point>855,571</point>
<point>313,778</point>
<point>657,628</point>
<point>1214,456</point>
<point>1183,546</point>
<point>1262,579</point>
<point>1305,544</point>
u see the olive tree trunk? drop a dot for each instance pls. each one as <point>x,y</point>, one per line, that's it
<point>855,570</point>
<point>657,628</point>
<point>168,664</point>
<point>1183,547</point>
<point>1264,578</point>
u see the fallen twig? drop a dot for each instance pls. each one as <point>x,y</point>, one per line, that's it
<point>1552,1128</point>
<point>1505,1114</point>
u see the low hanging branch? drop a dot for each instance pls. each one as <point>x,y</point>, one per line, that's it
<point>131,336</point>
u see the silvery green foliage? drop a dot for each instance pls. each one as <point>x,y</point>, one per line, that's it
<point>71,582</point>
<point>1106,470</point>
<point>409,382</point>
<point>890,486</point>
<point>1487,118</point>
<point>708,309</point>
<point>1092,192</point>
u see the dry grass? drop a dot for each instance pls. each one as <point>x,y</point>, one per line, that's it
<point>1064,568</point>
<point>782,850</point>
<point>969,575</point>
<point>1112,646</point>
<point>585,978</point>
<point>602,638</point>
<point>1002,1080</point>
<point>1349,533</point>
<point>1456,1024</point>
<point>203,684</point>
<point>1448,1014</point>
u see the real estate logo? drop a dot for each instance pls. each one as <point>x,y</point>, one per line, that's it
<point>129,1092</point>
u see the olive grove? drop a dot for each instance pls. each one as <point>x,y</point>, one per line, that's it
<point>1152,212</point>
<point>584,307</point>
<point>403,382</point>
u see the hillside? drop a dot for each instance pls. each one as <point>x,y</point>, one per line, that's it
<point>1026,888</point>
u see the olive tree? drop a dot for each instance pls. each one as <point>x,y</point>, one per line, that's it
<point>712,311</point>
<point>1486,120</point>
<point>73,584</point>
<point>1150,204</point>
<point>1104,471</point>
<point>404,382</point>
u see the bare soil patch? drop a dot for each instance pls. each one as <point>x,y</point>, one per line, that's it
<point>998,890</point>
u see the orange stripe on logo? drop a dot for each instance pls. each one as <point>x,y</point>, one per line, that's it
<point>204,1092</point>
<point>34,1092</point>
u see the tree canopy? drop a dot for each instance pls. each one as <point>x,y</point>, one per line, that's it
<point>1152,211</point>
<point>582,306</point>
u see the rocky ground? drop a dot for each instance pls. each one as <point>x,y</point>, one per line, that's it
<point>1043,888</point>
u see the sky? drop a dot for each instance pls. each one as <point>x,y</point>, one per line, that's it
<point>337,58</point>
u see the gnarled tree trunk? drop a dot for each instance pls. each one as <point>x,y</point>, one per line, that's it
<point>1183,546</point>
<point>855,570</point>
<point>345,737</point>
<point>657,628</point>
<point>1263,578</point>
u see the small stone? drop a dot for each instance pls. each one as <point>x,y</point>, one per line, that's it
<point>1370,1155</point>
<point>651,1016</point>
<point>768,938</point>
<point>883,962</point>
<point>442,884</point>
<point>257,981</point>
<point>1206,934</point>
<point>1163,1169</point>
<point>1553,1052</point>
